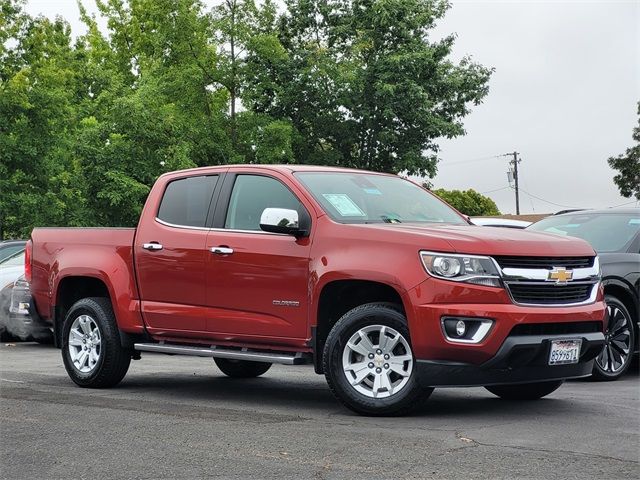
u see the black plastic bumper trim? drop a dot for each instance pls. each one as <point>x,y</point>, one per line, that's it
<point>521,359</point>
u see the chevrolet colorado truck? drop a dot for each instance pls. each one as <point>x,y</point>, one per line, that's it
<point>380,285</point>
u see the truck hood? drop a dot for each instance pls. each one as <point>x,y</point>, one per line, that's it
<point>477,240</point>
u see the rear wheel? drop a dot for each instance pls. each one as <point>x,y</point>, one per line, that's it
<point>615,357</point>
<point>91,349</point>
<point>369,364</point>
<point>525,391</point>
<point>241,368</point>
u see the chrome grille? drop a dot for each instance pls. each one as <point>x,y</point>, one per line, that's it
<point>549,293</point>
<point>532,283</point>
<point>544,262</point>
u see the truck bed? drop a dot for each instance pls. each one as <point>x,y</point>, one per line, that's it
<point>91,252</point>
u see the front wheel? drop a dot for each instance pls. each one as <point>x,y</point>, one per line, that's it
<point>615,357</point>
<point>91,349</point>
<point>525,391</point>
<point>241,368</point>
<point>369,364</point>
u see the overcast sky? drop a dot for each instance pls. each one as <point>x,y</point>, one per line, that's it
<point>563,95</point>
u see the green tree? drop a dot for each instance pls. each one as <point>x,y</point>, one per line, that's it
<point>152,104</point>
<point>363,84</point>
<point>468,202</point>
<point>87,125</point>
<point>233,24</point>
<point>628,166</point>
<point>38,92</point>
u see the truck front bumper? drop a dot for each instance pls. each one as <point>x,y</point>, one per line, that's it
<point>520,359</point>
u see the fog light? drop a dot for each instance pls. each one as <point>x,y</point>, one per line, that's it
<point>465,329</point>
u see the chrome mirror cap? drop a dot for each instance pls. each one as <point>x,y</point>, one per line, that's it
<point>280,220</point>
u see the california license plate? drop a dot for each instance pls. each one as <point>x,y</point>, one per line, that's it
<point>564,351</point>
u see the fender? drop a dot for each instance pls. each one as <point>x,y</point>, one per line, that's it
<point>103,254</point>
<point>622,283</point>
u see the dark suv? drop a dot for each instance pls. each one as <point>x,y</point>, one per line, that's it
<point>614,234</point>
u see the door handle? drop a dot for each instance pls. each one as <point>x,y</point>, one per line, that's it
<point>222,250</point>
<point>152,246</point>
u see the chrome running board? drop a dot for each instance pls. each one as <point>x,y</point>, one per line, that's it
<point>221,352</point>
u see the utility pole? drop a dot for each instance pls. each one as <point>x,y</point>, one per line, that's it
<point>515,163</point>
<point>513,172</point>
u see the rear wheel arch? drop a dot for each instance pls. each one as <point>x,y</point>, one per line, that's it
<point>70,289</point>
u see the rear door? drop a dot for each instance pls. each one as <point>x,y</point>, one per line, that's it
<point>258,289</point>
<point>171,257</point>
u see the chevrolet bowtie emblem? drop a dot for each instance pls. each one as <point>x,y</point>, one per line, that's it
<point>560,274</point>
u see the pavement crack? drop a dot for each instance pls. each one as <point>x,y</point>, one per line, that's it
<point>546,450</point>
<point>10,381</point>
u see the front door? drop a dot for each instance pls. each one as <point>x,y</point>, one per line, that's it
<point>257,282</point>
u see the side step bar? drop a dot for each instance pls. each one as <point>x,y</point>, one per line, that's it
<point>220,352</point>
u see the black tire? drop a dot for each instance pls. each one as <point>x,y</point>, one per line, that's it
<point>5,336</point>
<point>44,337</point>
<point>113,360</point>
<point>371,316</point>
<point>241,368</point>
<point>525,391</point>
<point>620,335</point>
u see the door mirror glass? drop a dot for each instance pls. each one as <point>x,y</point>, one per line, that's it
<point>280,220</point>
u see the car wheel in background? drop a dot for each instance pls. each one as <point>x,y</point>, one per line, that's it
<point>525,391</point>
<point>241,368</point>
<point>615,358</point>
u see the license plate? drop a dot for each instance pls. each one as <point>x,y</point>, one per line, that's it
<point>564,352</point>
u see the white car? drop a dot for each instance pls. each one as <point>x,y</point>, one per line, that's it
<point>19,323</point>
<point>499,222</point>
<point>10,269</point>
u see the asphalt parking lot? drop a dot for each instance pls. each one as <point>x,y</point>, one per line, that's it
<point>179,417</point>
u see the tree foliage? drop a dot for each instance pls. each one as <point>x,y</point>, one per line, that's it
<point>468,202</point>
<point>628,166</point>
<point>88,123</point>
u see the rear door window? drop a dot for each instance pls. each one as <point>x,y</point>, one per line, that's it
<point>186,201</point>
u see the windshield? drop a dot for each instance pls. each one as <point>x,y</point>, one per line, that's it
<point>9,249</point>
<point>610,232</point>
<point>369,198</point>
<point>14,261</point>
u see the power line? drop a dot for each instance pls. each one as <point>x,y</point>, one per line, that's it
<point>547,201</point>
<point>496,190</point>
<point>623,204</point>
<point>471,160</point>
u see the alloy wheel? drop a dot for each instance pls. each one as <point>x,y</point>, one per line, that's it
<point>377,361</point>
<point>616,351</point>
<point>85,344</point>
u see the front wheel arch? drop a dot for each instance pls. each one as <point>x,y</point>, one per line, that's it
<point>406,396</point>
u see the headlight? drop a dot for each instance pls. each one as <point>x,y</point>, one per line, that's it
<point>462,268</point>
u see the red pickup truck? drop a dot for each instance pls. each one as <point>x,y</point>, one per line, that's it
<point>387,290</point>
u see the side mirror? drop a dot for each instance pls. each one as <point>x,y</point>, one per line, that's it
<point>282,220</point>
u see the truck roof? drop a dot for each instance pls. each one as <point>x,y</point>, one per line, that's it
<point>284,168</point>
